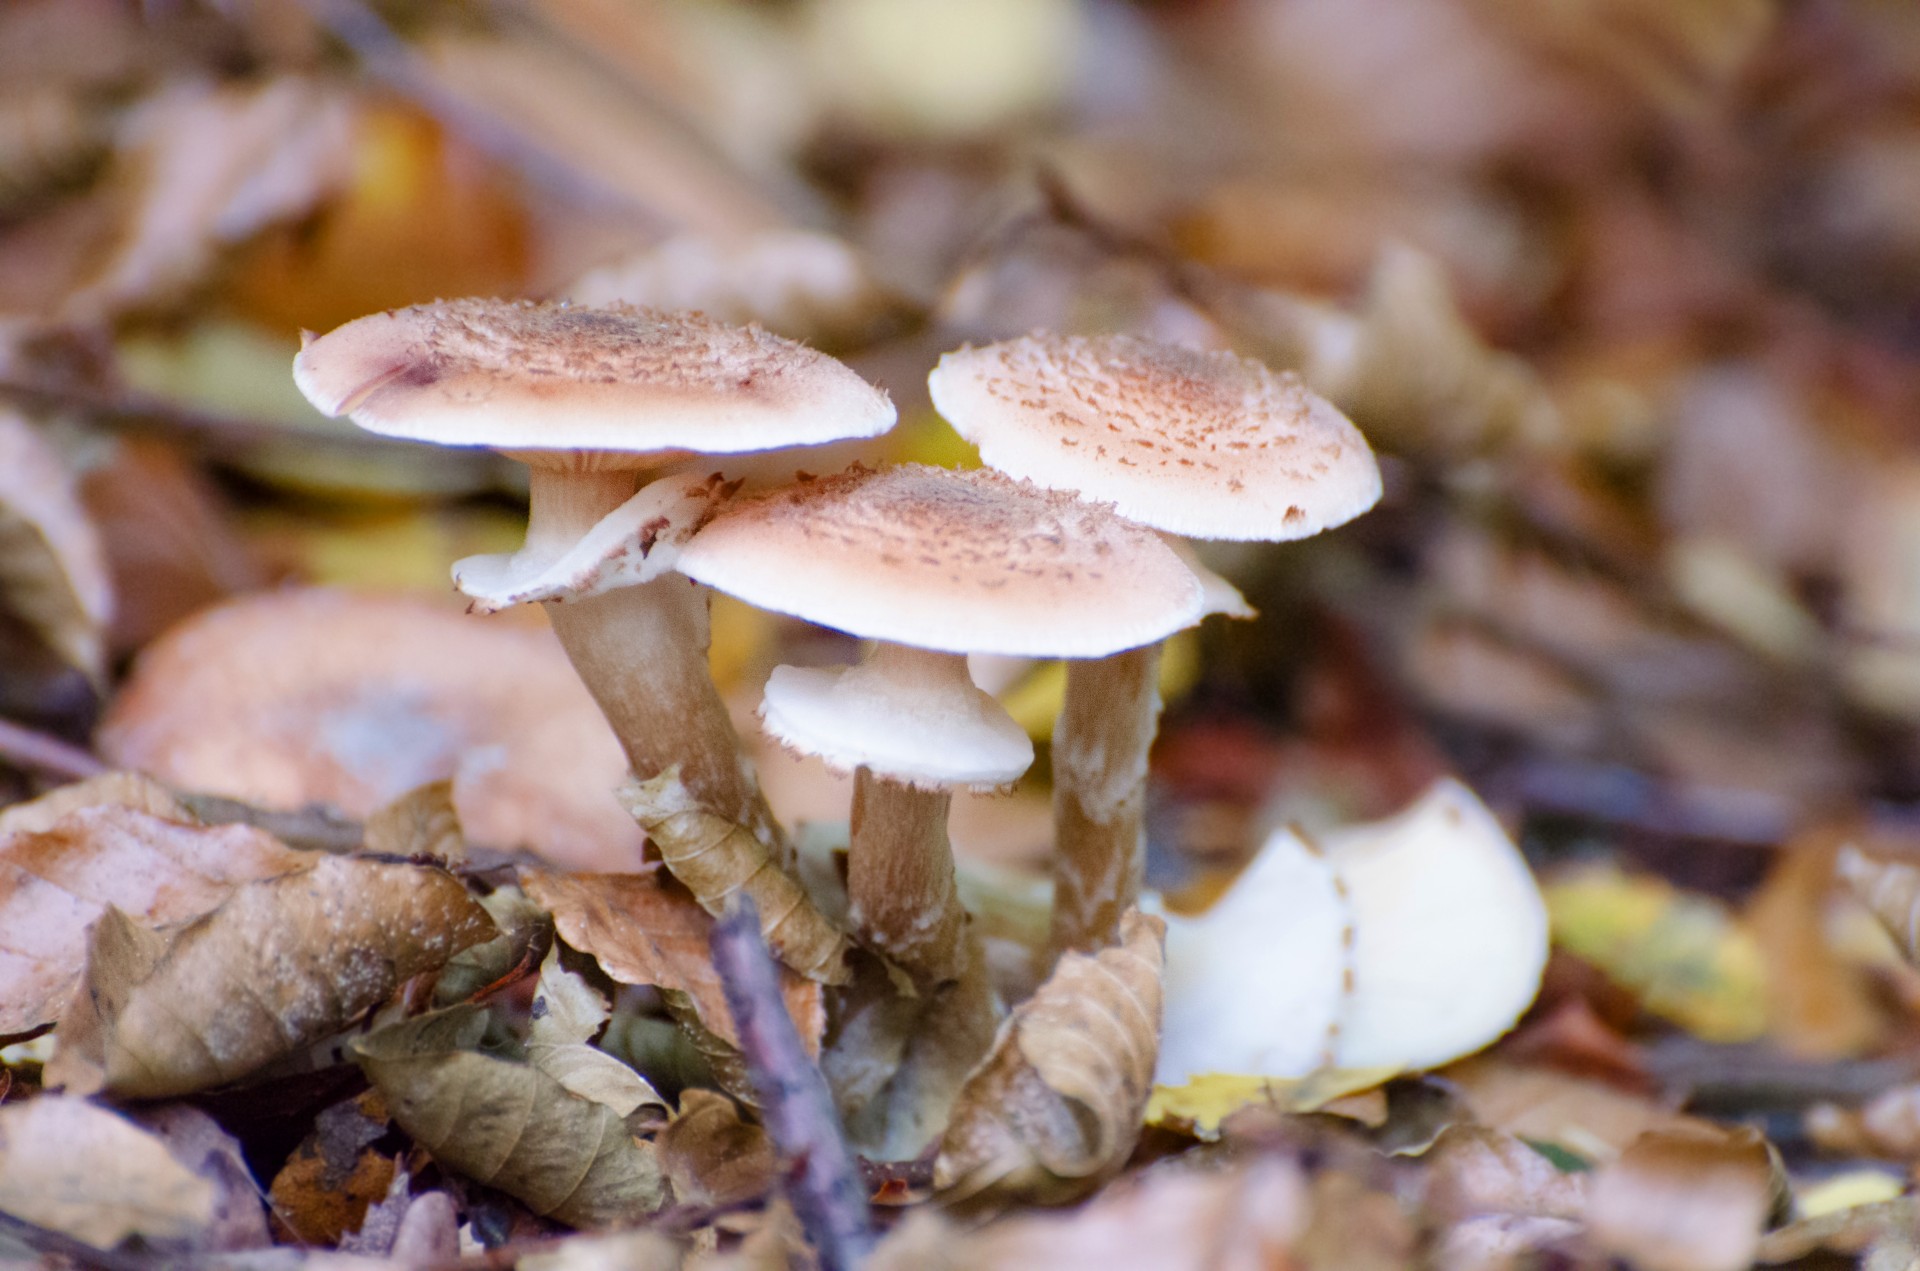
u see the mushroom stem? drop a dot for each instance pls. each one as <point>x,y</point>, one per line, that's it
<point>901,892</point>
<point>642,653</point>
<point>1100,745</point>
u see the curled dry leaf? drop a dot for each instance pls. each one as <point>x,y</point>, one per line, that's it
<point>1057,1106</point>
<point>640,932</point>
<point>1891,890</point>
<point>567,1011</point>
<point>1693,1199</point>
<point>716,858</point>
<point>712,1157</point>
<point>53,571</point>
<point>509,1125</point>
<point>69,856</point>
<point>280,964</point>
<point>82,1170</point>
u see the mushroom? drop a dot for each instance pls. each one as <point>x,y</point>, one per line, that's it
<point>589,398</point>
<point>303,696</point>
<point>1202,444</point>
<point>932,564</point>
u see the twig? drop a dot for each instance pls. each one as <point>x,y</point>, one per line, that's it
<point>37,752</point>
<point>315,827</point>
<point>822,1182</point>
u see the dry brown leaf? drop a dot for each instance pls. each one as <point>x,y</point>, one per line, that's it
<point>618,1251</point>
<point>1888,1125</point>
<point>1587,1117</point>
<point>1891,890</point>
<point>1686,1200</point>
<point>1474,1170</point>
<point>281,964</point>
<point>642,933</point>
<point>120,789</point>
<point>80,1169</point>
<point>1820,1006</point>
<point>1859,1229</point>
<point>326,1187</point>
<point>94,853</point>
<point>420,823</point>
<point>1057,1106</point>
<point>53,573</point>
<point>195,1140</point>
<point>511,1126</point>
<point>567,1011</point>
<point>716,858</point>
<point>712,1157</point>
<point>1174,1218</point>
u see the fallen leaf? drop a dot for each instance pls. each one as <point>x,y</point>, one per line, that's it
<point>280,964</point>
<point>195,1140</point>
<point>1891,892</point>
<point>1848,1231</point>
<point>1693,1199</point>
<point>1683,955</point>
<point>315,696</point>
<point>712,1157</point>
<point>618,1251</point>
<point>716,858</point>
<point>567,1011</point>
<point>93,853</point>
<point>642,933</point>
<point>1202,1104</point>
<point>325,1188</point>
<point>53,571</point>
<point>511,1126</point>
<point>79,1169</point>
<point>421,823</point>
<point>1474,1170</point>
<point>1589,1118</point>
<point>1819,1005</point>
<point>1887,1125</point>
<point>1057,1105</point>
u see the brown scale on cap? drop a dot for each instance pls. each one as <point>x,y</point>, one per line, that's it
<point>1206,444</point>
<point>955,561</point>
<point>533,378</point>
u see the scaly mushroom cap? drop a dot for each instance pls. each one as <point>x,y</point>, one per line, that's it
<point>1210,445</point>
<point>543,380</point>
<point>964,562</point>
<point>317,696</point>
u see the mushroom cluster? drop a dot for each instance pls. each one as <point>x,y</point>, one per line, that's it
<point>1103,449</point>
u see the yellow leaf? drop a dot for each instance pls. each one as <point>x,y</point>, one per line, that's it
<point>1206,1101</point>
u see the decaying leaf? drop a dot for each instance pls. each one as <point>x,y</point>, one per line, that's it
<point>1401,944</point>
<point>716,858</point>
<point>1891,890</point>
<point>80,1169</point>
<point>1203,1104</point>
<point>641,932</point>
<point>324,1190</point>
<point>53,572</point>
<point>420,823</point>
<point>1694,1199</point>
<point>616,1251</point>
<point>1863,1229</point>
<point>70,855</point>
<point>280,964</point>
<point>712,1157</point>
<point>1475,1170</point>
<point>567,1011</point>
<point>1057,1105</point>
<point>509,1125</point>
<point>195,1140</point>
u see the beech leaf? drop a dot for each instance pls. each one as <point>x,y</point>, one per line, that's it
<point>642,933</point>
<point>77,1168</point>
<point>1057,1106</point>
<point>511,1126</point>
<point>69,856</point>
<point>567,1011</point>
<point>716,858</point>
<point>281,964</point>
<point>53,571</point>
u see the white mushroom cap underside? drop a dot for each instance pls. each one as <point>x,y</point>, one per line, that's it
<point>530,377</point>
<point>965,562</point>
<point>934,732</point>
<point>1206,444</point>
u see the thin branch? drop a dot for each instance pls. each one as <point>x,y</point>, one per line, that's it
<point>33,751</point>
<point>823,1184</point>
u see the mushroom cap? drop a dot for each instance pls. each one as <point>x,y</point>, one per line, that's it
<point>302,696</point>
<point>962,562</point>
<point>539,378</point>
<point>1206,444</point>
<point>915,724</point>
